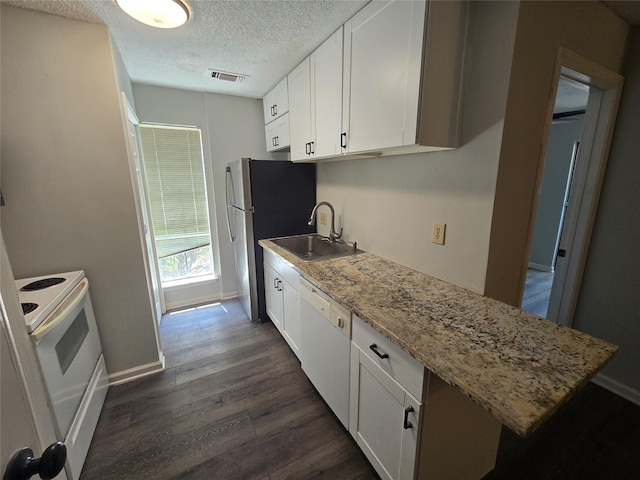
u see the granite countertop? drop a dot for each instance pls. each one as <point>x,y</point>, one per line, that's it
<point>518,366</point>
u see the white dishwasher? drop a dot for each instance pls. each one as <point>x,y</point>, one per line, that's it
<point>326,347</point>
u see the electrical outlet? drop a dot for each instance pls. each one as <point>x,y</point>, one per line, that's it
<point>437,236</point>
<point>323,218</point>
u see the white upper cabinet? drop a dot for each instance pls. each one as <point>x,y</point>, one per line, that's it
<point>300,116</point>
<point>383,46</point>
<point>276,117</point>
<point>388,82</point>
<point>400,88</point>
<point>315,100</point>
<point>326,68</point>
<point>277,133</point>
<point>276,102</point>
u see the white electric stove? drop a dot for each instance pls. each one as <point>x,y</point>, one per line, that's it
<point>40,295</point>
<point>60,320</point>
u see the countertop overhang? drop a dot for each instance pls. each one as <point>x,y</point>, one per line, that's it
<point>518,366</point>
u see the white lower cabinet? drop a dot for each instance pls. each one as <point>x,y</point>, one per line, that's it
<point>409,423</point>
<point>384,415</point>
<point>282,299</point>
<point>273,296</point>
<point>384,418</point>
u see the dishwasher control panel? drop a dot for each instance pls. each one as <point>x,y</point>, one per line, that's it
<point>335,313</point>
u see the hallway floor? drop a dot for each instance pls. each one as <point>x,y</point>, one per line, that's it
<point>536,292</point>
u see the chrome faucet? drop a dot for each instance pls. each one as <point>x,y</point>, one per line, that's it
<point>333,236</point>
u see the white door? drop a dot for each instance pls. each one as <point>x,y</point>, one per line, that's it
<point>140,189</point>
<point>17,414</point>
<point>17,425</point>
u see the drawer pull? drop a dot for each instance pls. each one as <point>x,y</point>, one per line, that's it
<point>340,322</point>
<point>407,423</point>
<point>374,347</point>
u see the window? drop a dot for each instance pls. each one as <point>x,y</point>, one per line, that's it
<point>174,173</point>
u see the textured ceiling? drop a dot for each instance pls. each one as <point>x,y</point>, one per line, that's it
<point>629,10</point>
<point>264,39</point>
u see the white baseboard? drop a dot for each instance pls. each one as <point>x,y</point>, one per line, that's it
<point>190,302</point>
<point>618,388</point>
<point>136,372</point>
<point>229,296</point>
<point>540,267</point>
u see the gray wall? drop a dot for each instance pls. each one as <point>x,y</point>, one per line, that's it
<point>65,174</point>
<point>590,30</point>
<point>609,302</point>
<point>388,205</point>
<point>232,128</point>
<point>554,184</point>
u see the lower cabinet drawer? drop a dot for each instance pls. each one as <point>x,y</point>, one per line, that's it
<point>405,369</point>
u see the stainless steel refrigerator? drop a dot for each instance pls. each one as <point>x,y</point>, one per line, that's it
<point>264,199</point>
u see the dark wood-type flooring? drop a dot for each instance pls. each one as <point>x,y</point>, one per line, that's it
<point>233,403</point>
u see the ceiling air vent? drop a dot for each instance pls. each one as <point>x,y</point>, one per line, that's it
<point>227,76</point>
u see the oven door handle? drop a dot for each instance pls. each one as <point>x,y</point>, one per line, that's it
<point>60,313</point>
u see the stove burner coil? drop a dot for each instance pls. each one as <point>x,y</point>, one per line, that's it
<point>28,307</point>
<point>41,284</point>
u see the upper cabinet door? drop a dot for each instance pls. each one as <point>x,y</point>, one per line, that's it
<point>300,111</point>
<point>326,68</point>
<point>382,63</point>
<point>276,102</point>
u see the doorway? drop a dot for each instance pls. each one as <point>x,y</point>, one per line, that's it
<point>553,195</point>
<point>580,125</point>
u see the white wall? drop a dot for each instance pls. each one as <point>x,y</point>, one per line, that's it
<point>552,194</point>
<point>388,205</point>
<point>65,174</point>
<point>232,128</point>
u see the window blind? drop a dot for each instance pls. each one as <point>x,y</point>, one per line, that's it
<point>174,172</point>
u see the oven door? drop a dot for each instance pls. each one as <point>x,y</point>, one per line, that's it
<point>68,347</point>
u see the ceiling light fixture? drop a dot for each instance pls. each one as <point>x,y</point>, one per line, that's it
<point>157,13</point>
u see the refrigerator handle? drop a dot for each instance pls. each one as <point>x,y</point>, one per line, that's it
<point>228,179</point>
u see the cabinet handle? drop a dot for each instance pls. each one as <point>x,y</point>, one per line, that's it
<point>374,347</point>
<point>271,110</point>
<point>277,140</point>
<point>340,322</point>
<point>275,110</point>
<point>343,140</point>
<point>279,283</point>
<point>275,283</point>
<point>307,148</point>
<point>311,150</point>
<point>407,423</point>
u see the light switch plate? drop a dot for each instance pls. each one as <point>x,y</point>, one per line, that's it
<point>437,236</point>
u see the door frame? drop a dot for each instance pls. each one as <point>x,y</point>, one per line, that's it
<point>591,165</point>
<point>136,166</point>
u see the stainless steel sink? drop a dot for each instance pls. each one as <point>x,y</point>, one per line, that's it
<point>314,247</point>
